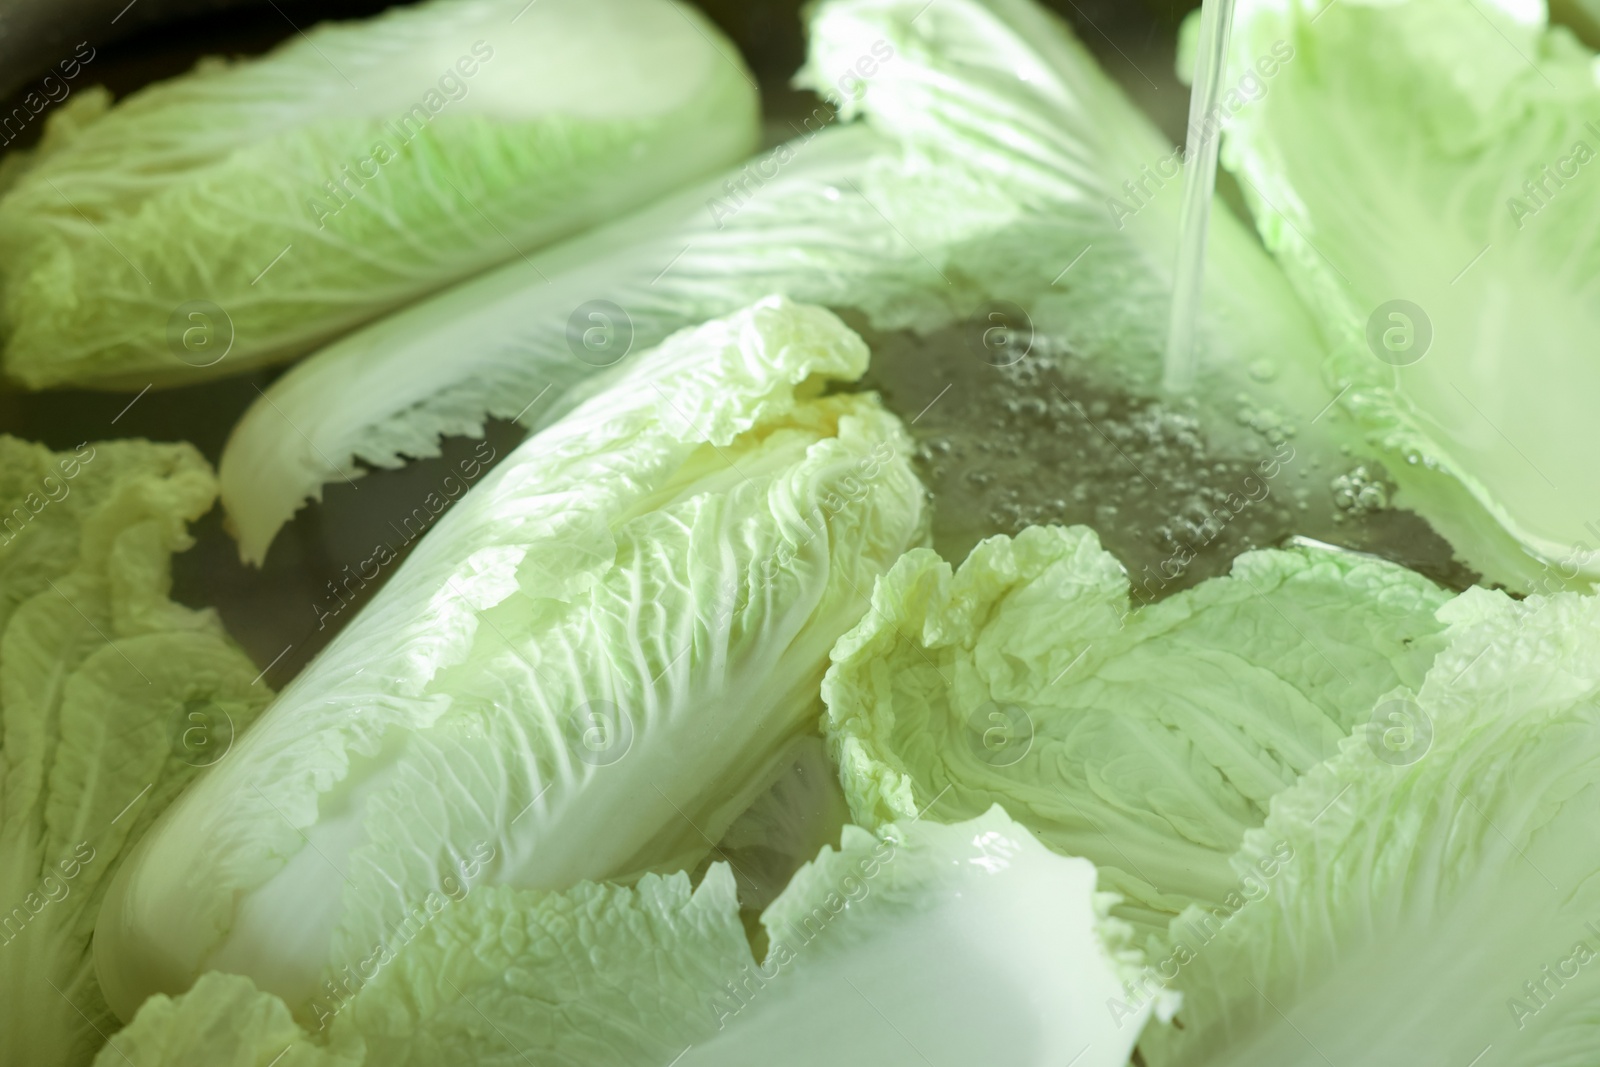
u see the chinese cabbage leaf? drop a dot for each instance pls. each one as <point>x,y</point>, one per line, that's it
<point>1442,908</point>
<point>1425,172</point>
<point>1148,741</point>
<point>112,697</point>
<point>882,950</point>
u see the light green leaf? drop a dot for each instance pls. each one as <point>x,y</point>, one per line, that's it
<point>1148,741</point>
<point>1436,903</point>
<point>1471,132</point>
<point>599,975</point>
<point>887,950</point>
<point>884,949</point>
<point>224,1021</point>
<point>111,699</point>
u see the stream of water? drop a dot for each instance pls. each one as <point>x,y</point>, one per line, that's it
<point>1199,185</point>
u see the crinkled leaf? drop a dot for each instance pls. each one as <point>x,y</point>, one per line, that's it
<point>224,1021</point>
<point>1438,905</point>
<point>882,951</point>
<point>111,699</point>
<point>1147,740</point>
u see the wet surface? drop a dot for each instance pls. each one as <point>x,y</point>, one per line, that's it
<point>1043,440</point>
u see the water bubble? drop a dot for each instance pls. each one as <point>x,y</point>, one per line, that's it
<point>1360,491</point>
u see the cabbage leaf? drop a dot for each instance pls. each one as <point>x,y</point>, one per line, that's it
<point>224,1021</point>
<point>1148,741</point>
<point>1447,903</point>
<point>1425,173</point>
<point>112,697</point>
<point>882,950</point>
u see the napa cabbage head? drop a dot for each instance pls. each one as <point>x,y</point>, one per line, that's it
<point>586,670</point>
<point>251,210</point>
<point>1425,172</point>
<point>885,948</point>
<point>112,698</point>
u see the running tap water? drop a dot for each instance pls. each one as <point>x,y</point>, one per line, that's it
<point>1199,185</point>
